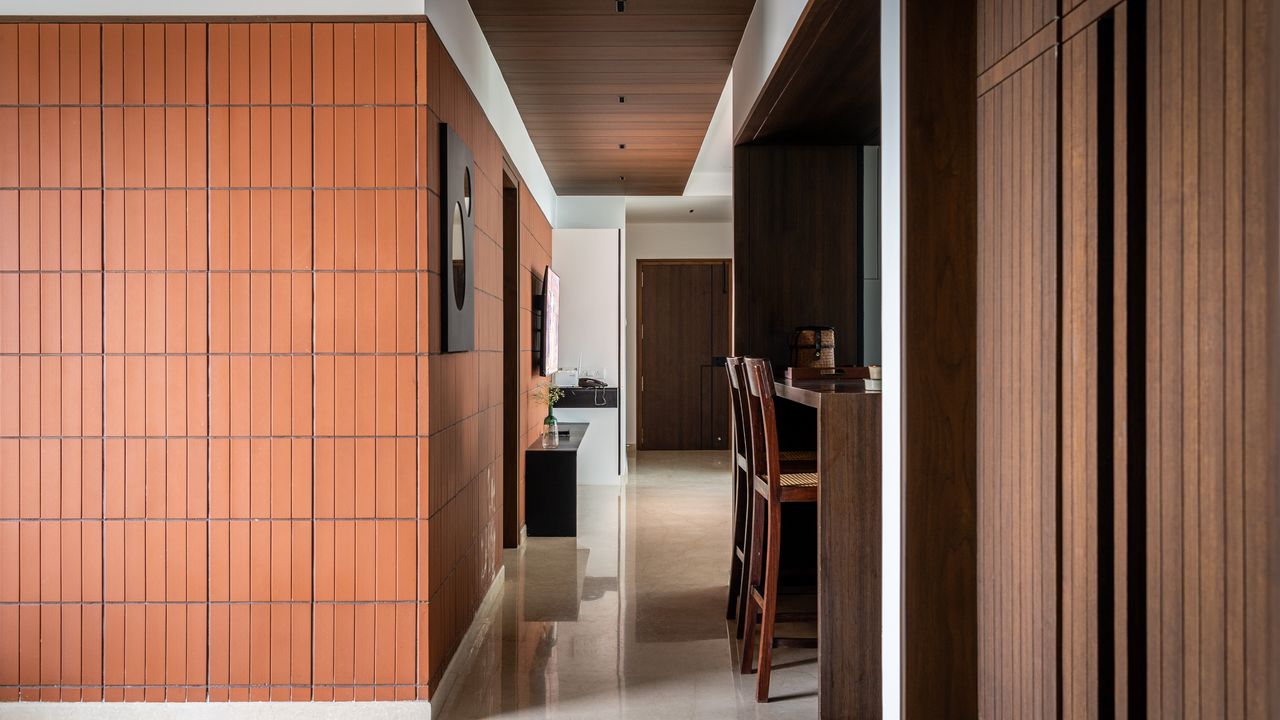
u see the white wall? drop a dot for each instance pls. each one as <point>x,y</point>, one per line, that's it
<point>591,211</point>
<point>763,38</point>
<point>663,241</point>
<point>891,252</point>
<point>589,265</point>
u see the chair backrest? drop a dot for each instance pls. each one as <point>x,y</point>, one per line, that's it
<point>763,421</point>
<point>733,368</point>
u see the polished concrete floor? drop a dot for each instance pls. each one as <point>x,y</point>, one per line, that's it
<point>627,619</point>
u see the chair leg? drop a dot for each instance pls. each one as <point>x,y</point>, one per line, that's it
<point>768,613</point>
<point>748,547</point>
<point>750,607</point>
<point>736,565</point>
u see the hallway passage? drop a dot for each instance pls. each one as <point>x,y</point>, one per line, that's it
<point>627,619</point>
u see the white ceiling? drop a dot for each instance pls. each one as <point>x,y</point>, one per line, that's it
<point>676,209</point>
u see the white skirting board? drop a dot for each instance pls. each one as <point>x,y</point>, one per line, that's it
<point>387,710</point>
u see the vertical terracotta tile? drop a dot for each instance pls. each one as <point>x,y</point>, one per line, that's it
<point>281,54</point>
<point>50,390</point>
<point>29,149</point>
<point>9,68</point>
<point>368,159</point>
<point>384,395</point>
<point>344,488</point>
<point>384,146</point>
<point>9,225</point>
<point>260,159</point>
<point>385,499</point>
<point>365,467</point>
<point>280,650</point>
<point>302,408</point>
<point>365,626</point>
<point>344,566</point>
<point>365,402</point>
<point>260,71</point>
<point>345,311</point>
<point>344,148</point>
<point>175,64</point>
<point>9,505</point>
<point>404,63</point>
<point>9,314</point>
<point>365,308</point>
<point>29,396</point>
<point>72,396</point>
<point>300,231</point>
<point>151,140</point>
<point>69,151</point>
<point>344,639</point>
<point>385,313</point>
<point>385,657</point>
<point>259,486</point>
<point>50,228</point>
<point>239,671</point>
<point>363,64</point>
<point>48,59</point>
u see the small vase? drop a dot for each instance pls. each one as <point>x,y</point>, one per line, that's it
<point>550,431</point>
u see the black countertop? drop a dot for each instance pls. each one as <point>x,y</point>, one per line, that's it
<point>589,398</point>
<point>567,444</point>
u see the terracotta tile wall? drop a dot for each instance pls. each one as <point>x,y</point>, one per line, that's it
<point>233,462</point>
<point>465,419</point>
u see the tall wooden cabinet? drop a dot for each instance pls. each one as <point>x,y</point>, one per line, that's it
<point>1127,360</point>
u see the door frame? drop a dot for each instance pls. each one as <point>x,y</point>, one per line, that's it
<point>640,265</point>
<point>512,392</point>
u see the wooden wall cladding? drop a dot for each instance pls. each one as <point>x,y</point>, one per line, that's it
<point>795,242</point>
<point>1211,430</point>
<point>940,361</point>
<point>1017,391</point>
<point>1160,328</point>
<point>235,466</point>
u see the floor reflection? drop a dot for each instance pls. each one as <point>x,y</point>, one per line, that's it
<point>627,619</point>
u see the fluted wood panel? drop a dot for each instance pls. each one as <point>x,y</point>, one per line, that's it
<point>1211,385</point>
<point>1165,316</point>
<point>1003,25</point>
<point>1017,392</point>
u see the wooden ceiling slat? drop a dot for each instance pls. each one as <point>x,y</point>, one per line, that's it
<point>584,87</point>
<point>697,66</point>
<point>701,38</point>
<point>616,22</point>
<point>525,53</point>
<point>608,7</point>
<point>566,62</point>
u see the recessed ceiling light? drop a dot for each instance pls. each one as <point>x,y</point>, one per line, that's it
<point>622,98</point>
<point>621,5</point>
<point>622,146</point>
<point>622,178</point>
<point>690,211</point>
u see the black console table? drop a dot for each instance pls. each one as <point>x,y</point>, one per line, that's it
<point>551,485</point>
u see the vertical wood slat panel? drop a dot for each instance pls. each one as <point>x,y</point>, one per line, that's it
<point>1017,381</point>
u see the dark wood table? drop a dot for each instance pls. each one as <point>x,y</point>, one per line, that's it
<point>551,485</point>
<point>848,443</point>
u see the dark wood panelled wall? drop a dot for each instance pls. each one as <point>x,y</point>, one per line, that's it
<point>796,247</point>
<point>1127,494</point>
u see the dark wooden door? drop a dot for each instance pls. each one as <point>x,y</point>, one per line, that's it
<point>683,338</point>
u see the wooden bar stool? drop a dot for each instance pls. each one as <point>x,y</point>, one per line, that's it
<point>741,496</point>
<point>792,461</point>
<point>771,486</point>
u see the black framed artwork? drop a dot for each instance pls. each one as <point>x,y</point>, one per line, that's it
<point>458,215</point>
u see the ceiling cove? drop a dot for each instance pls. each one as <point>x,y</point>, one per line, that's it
<point>616,94</point>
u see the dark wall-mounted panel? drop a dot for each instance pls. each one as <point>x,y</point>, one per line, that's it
<point>795,247</point>
<point>458,245</point>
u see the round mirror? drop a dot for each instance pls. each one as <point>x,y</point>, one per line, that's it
<point>466,190</point>
<point>458,253</point>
